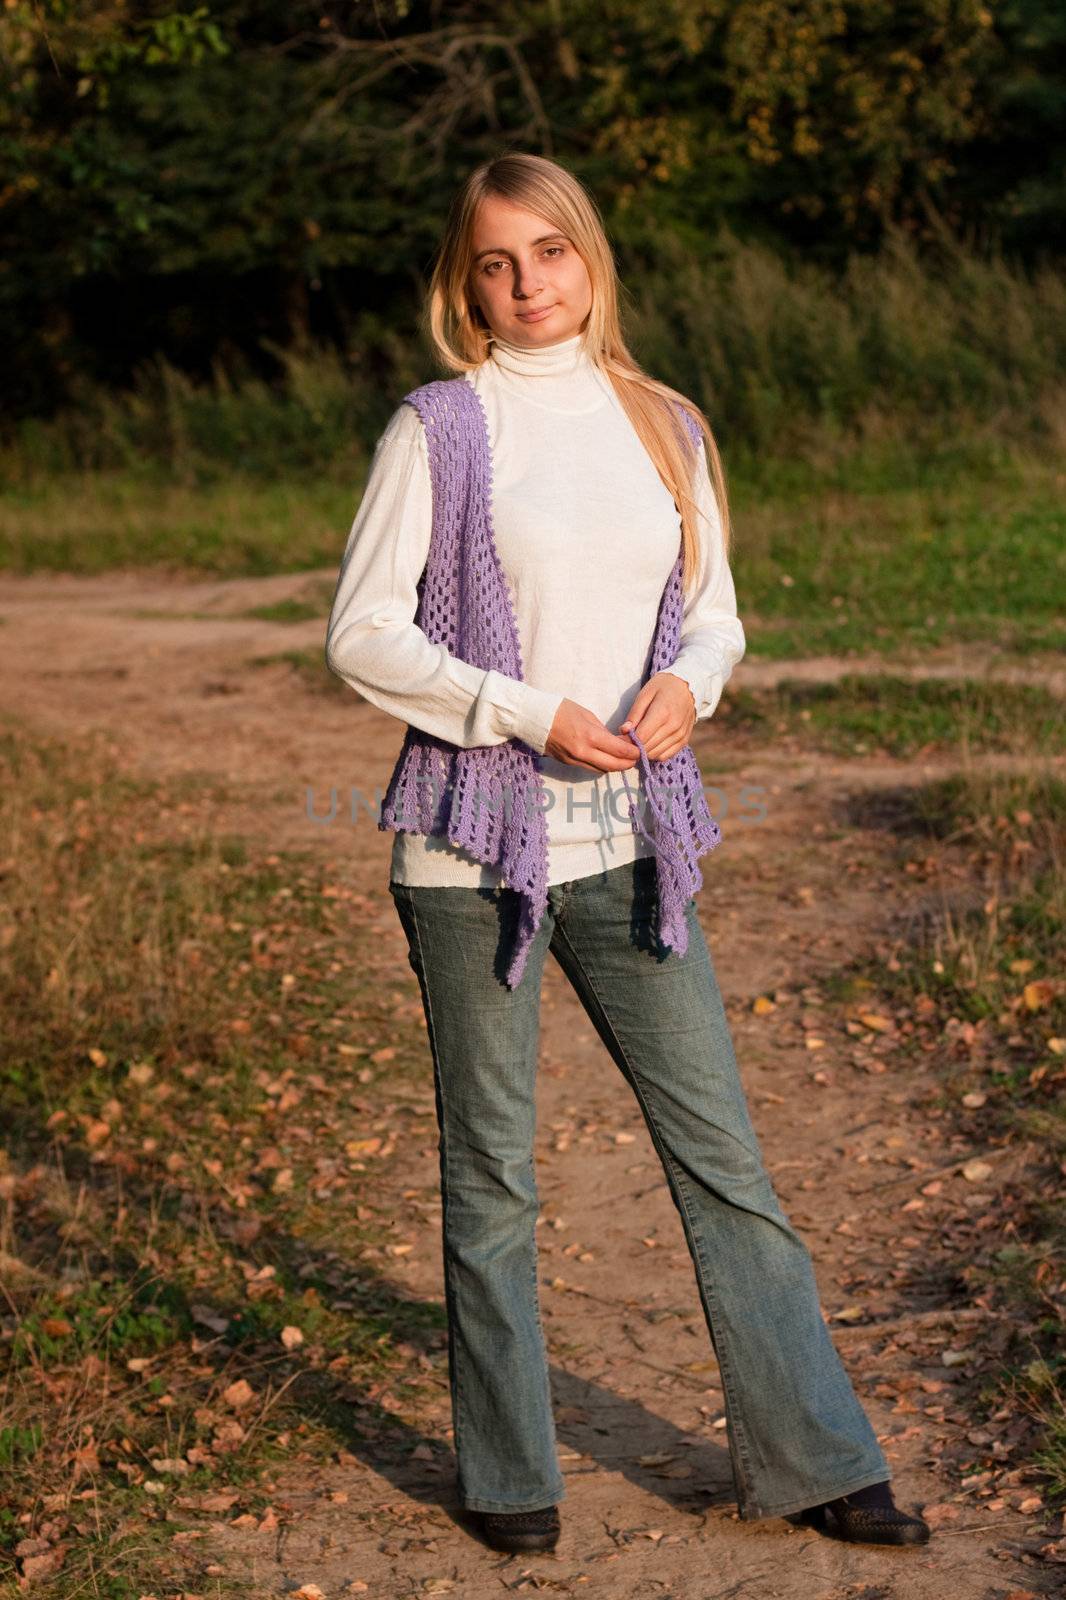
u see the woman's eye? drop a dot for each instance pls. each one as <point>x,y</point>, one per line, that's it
<point>490,266</point>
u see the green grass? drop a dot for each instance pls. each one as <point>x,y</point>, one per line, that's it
<point>310,605</point>
<point>866,714</point>
<point>837,564</point>
<point>310,667</point>
<point>832,567</point>
<point>295,609</point>
<point>235,528</point>
<point>894,441</point>
<point>838,570</point>
<point>199,1123</point>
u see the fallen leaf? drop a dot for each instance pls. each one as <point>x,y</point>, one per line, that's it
<point>43,1565</point>
<point>238,1394</point>
<point>362,1147</point>
<point>1038,994</point>
<point>936,1516</point>
<point>220,1500</point>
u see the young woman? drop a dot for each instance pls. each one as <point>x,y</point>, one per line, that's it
<point>537,582</point>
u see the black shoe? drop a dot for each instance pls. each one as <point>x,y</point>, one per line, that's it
<point>521,1530</point>
<point>884,1524</point>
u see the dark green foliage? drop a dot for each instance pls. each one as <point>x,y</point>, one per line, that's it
<point>229,179</point>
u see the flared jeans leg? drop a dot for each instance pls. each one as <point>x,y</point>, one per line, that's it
<point>797,1433</point>
<point>484,1038</point>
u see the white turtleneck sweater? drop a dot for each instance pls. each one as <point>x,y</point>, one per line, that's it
<point>587,534</point>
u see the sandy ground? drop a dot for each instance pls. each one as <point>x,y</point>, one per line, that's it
<point>649,1508</point>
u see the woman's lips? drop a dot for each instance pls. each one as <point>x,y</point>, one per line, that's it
<point>535,316</point>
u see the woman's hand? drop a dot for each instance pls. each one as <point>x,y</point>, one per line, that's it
<point>579,738</point>
<point>663,713</point>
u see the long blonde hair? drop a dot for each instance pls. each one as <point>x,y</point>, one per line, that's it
<point>461,337</point>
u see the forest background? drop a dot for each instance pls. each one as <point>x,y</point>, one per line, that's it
<point>840,227</point>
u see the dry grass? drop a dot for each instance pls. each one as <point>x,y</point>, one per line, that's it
<point>191,1245</point>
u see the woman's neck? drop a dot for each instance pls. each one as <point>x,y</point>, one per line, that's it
<point>546,360</point>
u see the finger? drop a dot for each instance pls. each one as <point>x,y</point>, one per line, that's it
<point>665,747</point>
<point>606,763</point>
<point>657,730</point>
<point>620,752</point>
<point>646,715</point>
<point>605,754</point>
<point>618,744</point>
<point>585,764</point>
<point>636,711</point>
<point>669,741</point>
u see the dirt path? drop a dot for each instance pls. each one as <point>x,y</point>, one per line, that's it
<point>649,1509</point>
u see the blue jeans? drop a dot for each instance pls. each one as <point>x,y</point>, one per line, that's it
<point>797,1434</point>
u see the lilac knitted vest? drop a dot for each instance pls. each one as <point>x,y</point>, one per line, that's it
<point>490,799</point>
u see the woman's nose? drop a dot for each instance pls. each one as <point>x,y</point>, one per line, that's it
<point>526,281</point>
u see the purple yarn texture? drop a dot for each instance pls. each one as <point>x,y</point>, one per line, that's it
<point>490,799</point>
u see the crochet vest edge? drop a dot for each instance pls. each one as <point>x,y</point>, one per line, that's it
<point>490,799</point>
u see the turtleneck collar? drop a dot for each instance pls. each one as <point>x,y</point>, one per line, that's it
<point>546,360</point>
<point>559,377</point>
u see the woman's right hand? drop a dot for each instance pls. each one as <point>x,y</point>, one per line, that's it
<point>579,738</point>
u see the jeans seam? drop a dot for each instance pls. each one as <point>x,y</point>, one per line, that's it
<point>749,1498</point>
<point>534,1263</point>
<point>449,1287</point>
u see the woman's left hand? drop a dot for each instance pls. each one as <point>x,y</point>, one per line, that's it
<point>663,714</point>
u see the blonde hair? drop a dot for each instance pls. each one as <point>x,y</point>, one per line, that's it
<point>461,338</point>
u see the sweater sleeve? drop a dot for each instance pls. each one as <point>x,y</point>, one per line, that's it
<point>372,641</point>
<point>712,635</point>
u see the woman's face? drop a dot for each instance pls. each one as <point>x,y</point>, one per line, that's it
<point>532,286</point>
